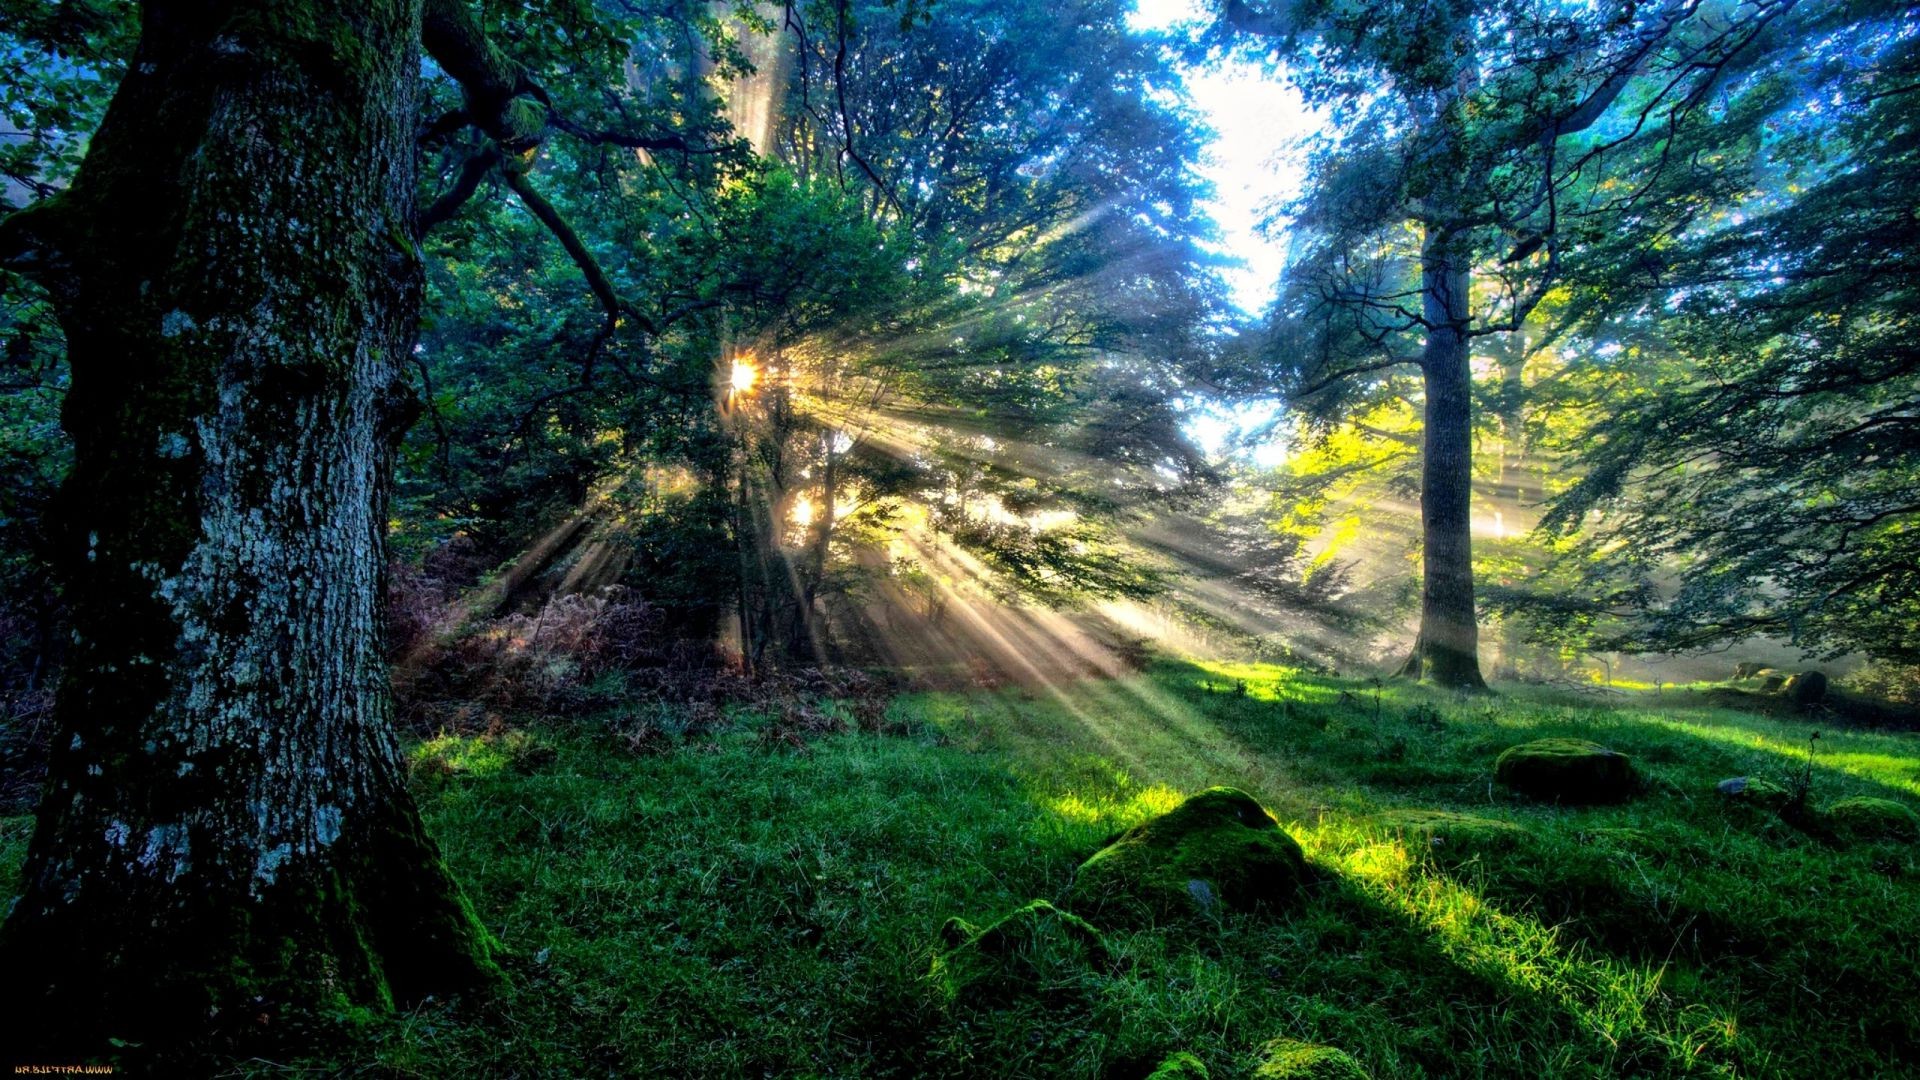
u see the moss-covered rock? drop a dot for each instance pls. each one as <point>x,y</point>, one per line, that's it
<point>1037,949</point>
<point>1806,688</point>
<point>1567,771</point>
<point>1180,1066</point>
<point>1864,817</point>
<point>1291,1059</point>
<point>1218,851</point>
<point>1450,837</point>
<point>1753,791</point>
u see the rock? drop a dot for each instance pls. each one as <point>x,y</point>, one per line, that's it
<point>1218,851</point>
<point>1180,1066</point>
<point>1864,817</point>
<point>1037,948</point>
<point>1451,837</point>
<point>1771,681</point>
<point>1290,1059</point>
<point>1748,669</point>
<point>1754,791</point>
<point>1807,688</point>
<point>1567,771</point>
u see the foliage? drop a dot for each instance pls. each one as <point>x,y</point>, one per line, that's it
<point>935,326</point>
<point>1751,465</point>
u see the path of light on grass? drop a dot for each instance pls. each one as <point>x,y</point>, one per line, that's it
<point>1169,747</point>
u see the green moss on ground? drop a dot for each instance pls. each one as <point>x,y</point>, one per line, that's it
<point>14,833</point>
<point>720,908</point>
<point>1180,1066</point>
<point>1218,851</point>
<point>1866,818</point>
<point>1290,1059</point>
<point>1452,839</point>
<point>1572,771</point>
<point>1035,949</point>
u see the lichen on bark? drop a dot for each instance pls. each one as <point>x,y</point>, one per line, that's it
<point>226,834</point>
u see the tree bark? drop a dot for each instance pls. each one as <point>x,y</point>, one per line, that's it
<point>1447,649</point>
<point>226,837</point>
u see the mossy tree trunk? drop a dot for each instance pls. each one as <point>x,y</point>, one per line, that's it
<point>226,834</point>
<point>1448,647</point>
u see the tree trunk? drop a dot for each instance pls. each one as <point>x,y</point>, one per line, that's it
<point>823,524</point>
<point>1447,649</point>
<point>226,835</point>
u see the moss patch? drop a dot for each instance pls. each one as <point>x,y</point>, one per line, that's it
<point>1034,950</point>
<point>1180,1066</point>
<point>1865,818</point>
<point>1449,837</point>
<point>1290,1059</point>
<point>478,755</point>
<point>1568,771</point>
<point>1218,851</point>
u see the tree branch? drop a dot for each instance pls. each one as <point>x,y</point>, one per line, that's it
<point>846,118</point>
<point>472,171</point>
<point>492,82</point>
<point>1273,23</point>
<point>576,249</point>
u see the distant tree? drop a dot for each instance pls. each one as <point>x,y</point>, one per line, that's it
<point>1028,364</point>
<point>1476,148</point>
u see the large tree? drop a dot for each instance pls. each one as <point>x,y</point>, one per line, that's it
<point>234,268</point>
<point>226,835</point>
<point>1468,160</point>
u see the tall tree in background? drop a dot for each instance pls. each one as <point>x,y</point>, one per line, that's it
<point>1470,156</point>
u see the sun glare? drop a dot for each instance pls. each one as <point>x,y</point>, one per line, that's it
<point>743,377</point>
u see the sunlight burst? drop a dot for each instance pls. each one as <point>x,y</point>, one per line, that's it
<point>744,375</point>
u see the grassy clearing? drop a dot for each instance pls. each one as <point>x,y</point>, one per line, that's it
<point>726,909</point>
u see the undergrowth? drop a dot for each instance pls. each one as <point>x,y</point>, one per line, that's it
<point>759,889</point>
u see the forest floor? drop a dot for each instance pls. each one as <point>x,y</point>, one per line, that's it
<point>740,902</point>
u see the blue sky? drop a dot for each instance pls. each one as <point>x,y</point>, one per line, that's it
<point>1258,122</point>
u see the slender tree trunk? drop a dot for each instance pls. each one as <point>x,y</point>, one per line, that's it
<point>1447,650</point>
<point>823,524</point>
<point>226,836</point>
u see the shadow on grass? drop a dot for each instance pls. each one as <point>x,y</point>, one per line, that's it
<point>725,910</point>
<point>1767,941</point>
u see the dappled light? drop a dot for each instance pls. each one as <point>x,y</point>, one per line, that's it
<point>1165,539</point>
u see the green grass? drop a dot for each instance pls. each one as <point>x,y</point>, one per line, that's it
<point>726,909</point>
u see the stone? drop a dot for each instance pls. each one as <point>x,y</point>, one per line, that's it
<point>1866,818</point>
<point>1754,791</point>
<point>1572,771</point>
<point>1291,1059</point>
<point>1807,688</point>
<point>1034,949</point>
<point>1220,850</point>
